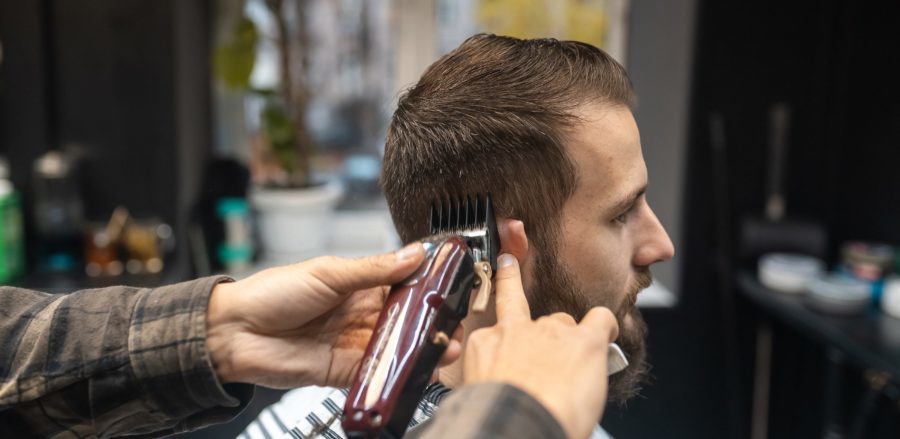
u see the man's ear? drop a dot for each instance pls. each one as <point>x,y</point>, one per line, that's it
<point>513,239</point>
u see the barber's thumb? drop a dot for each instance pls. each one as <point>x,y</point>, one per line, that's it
<point>600,320</point>
<point>348,275</point>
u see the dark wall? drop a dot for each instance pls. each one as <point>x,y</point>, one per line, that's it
<point>114,81</point>
<point>125,80</point>
<point>24,112</point>
<point>837,65</point>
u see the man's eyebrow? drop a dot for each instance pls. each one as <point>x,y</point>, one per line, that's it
<point>624,203</point>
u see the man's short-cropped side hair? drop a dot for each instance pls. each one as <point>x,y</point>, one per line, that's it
<point>492,116</point>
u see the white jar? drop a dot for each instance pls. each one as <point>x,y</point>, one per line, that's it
<point>890,298</point>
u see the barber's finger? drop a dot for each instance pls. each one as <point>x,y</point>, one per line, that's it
<point>600,319</point>
<point>348,275</point>
<point>458,334</point>
<point>451,354</point>
<point>562,318</point>
<point>511,302</point>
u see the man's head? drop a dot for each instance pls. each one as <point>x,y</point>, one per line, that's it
<point>544,126</point>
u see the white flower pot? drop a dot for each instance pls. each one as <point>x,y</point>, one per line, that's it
<point>294,224</point>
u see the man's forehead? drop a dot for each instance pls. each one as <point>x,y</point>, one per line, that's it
<point>606,149</point>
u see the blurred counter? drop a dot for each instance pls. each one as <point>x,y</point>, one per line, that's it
<point>871,340</point>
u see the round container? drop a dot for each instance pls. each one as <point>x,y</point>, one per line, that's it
<point>836,294</point>
<point>890,298</point>
<point>788,272</point>
<point>295,224</point>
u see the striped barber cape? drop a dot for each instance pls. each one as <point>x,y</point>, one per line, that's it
<point>315,412</point>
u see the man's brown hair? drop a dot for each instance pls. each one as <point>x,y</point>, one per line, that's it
<point>492,117</point>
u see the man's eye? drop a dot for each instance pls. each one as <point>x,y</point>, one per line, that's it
<point>622,219</point>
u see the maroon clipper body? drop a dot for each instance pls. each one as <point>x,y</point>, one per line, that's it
<point>419,317</point>
<point>411,336</point>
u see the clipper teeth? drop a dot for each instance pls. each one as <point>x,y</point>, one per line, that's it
<point>471,211</point>
<point>454,215</point>
<point>472,217</point>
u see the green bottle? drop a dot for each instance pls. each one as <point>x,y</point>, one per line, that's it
<point>12,234</point>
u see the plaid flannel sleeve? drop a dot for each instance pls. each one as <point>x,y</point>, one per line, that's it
<point>108,362</point>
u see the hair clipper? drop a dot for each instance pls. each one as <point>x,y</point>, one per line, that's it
<point>420,315</point>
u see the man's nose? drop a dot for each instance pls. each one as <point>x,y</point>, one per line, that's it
<point>654,245</point>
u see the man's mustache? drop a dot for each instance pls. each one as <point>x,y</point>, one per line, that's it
<point>641,281</point>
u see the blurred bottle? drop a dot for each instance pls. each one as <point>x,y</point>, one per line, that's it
<point>236,252</point>
<point>869,262</point>
<point>58,212</point>
<point>101,252</point>
<point>101,245</point>
<point>12,234</point>
<point>146,242</point>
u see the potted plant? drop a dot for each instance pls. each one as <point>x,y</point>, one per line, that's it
<point>293,208</point>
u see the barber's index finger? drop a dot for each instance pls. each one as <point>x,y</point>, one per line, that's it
<point>510,296</point>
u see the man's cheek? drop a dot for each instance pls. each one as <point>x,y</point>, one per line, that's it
<point>611,294</point>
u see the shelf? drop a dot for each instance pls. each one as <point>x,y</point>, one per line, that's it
<point>872,340</point>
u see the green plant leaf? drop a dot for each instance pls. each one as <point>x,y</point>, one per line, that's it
<point>233,61</point>
<point>281,134</point>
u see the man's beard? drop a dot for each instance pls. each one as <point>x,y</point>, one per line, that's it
<point>554,290</point>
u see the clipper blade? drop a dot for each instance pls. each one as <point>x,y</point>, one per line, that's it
<point>473,218</point>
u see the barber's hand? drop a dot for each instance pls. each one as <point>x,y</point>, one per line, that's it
<point>559,362</point>
<point>307,323</point>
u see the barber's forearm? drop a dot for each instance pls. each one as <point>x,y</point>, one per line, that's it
<point>491,410</point>
<point>110,361</point>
